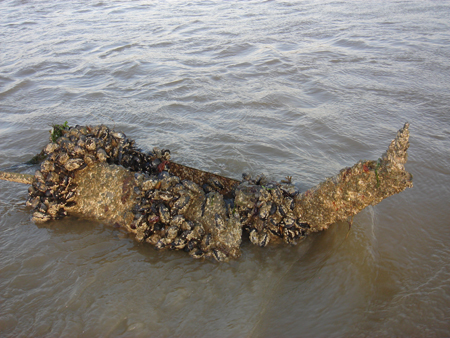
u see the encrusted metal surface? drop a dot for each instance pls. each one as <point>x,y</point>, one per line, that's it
<point>353,189</point>
<point>97,173</point>
<point>226,185</point>
<point>16,177</point>
<point>104,192</point>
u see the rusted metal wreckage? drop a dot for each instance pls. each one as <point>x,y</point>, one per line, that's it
<point>97,173</point>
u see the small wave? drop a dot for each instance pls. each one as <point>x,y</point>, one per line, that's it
<point>118,49</point>
<point>15,87</point>
<point>237,50</point>
<point>353,44</point>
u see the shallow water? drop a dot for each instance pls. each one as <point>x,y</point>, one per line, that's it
<point>301,89</point>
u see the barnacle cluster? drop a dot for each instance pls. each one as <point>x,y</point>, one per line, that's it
<point>53,189</point>
<point>266,211</point>
<point>178,214</point>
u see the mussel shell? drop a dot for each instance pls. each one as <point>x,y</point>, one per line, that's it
<point>51,148</point>
<point>264,210</point>
<point>178,220</point>
<point>215,183</point>
<point>33,202</point>
<point>164,213</point>
<point>192,186</point>
<point>78,151</point>
<point>91,144</point>
<point>101,155</point>
<point>187,225</point>
<point>172,232</point>
<point>282,210</point>
<point>288,222</point>
<point>179,243</point>
<point>277,195</point>
<point>38,176</point>
<point>73,164</point>
<point>273,209</point>
<point>196,253</point>
<point>40,217</point>
<point>182,202</point>
<point>219,255</point>
<point>47,166</point>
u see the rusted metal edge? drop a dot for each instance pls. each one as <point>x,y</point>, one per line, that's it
<point>201,177</point>
<point>16,177</point>
<point>196,175</point>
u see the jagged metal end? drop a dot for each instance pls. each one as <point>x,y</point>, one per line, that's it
<point>353,189</point>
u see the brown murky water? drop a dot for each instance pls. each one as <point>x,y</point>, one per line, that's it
<point>281,88</point>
